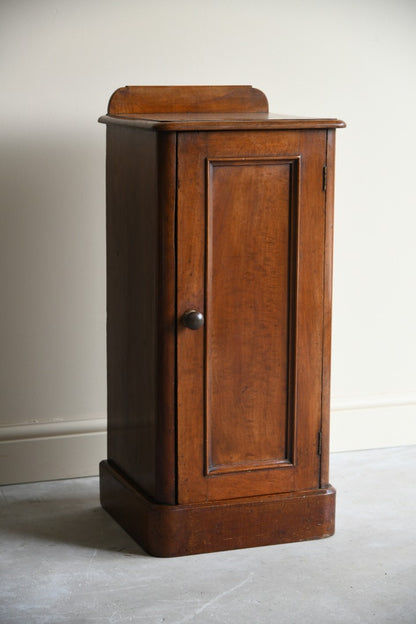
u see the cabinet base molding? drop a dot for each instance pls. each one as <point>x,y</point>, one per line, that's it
<point>175,530</point>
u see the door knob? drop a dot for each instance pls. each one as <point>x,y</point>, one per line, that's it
<point>193,319</point>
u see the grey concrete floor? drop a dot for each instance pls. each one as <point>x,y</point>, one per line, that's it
<point>63,559</point>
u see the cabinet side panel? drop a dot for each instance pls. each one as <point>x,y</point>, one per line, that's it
<point>132,228</point>
<point>166,332</point>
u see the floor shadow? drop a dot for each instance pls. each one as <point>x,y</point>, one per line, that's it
<point>76,521</point>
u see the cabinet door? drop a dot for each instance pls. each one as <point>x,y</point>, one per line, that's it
<point>250,256</point>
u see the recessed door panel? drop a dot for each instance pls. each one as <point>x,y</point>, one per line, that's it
<point>250,223</point>
<point>250,273</point>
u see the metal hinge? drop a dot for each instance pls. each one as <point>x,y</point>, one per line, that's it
<point>319,442</point>
<point>324,177</point>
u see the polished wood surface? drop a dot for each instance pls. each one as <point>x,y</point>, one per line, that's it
<point>247,285</point>
<point>218,422</point>
<point>191,122</point>
<point>327,303</point>
<point>254,249</point>
<point>141,308</point>
<point>172,99</point>
<point>177,530</point>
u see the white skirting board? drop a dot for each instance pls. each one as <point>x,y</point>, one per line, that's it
<point>70,449</point>
<point>376,423</point>
<point>47,451</point>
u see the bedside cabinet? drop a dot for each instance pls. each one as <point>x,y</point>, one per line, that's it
<point>219,256</point>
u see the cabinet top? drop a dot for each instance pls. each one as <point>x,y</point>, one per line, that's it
<point>181,108</point>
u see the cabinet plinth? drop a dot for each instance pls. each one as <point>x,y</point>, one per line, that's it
<point>219,269</point>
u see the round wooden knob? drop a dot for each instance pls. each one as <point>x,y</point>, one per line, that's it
<point>193,319</point>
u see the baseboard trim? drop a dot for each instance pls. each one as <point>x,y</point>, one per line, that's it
<point>52,429</point>
<point>54,450</point>
<point>373,423</point>
<point>339,404</point>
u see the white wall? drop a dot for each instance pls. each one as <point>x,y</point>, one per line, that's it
<point>59,63</point>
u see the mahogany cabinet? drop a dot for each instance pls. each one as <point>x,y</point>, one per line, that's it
<point>219,255</point>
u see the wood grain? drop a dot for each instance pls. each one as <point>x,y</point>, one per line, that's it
<point>177,530</point>
<point>303,394</point>
<point>327,319</point>
<point>183,99</point>
<point>191,122</point>
<point>216,205</point>
<point>141,308</point>
<point>247,313</point>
